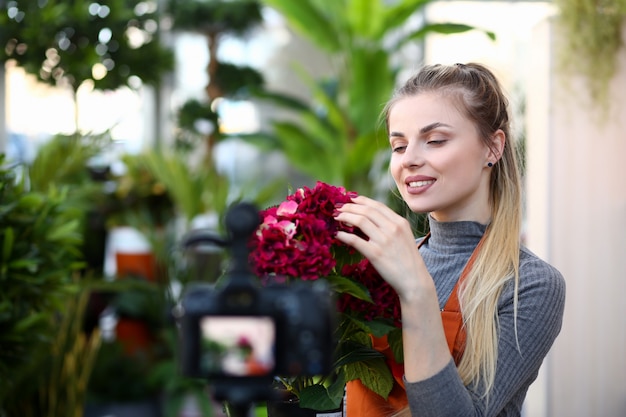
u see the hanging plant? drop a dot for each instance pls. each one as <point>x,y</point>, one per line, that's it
<point>592,34</point>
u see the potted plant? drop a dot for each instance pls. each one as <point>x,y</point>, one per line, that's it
<point>295,241</point>
<point>46,355</point>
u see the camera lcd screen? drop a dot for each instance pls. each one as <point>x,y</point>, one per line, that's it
<point>237,346</point>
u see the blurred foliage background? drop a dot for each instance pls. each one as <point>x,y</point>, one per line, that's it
<point>58,209</point>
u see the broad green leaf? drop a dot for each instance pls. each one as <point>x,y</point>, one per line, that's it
<point>380,327</point>
<point>364,17</point>
<point>306,154</point>
<point>321,132</point>
<point>307,19</point>
<point>330,105</point>
<point>364,150</point>
<point>397,15</point>
<point>443,29</point>
<point>351,352</point>
<point>344,285</point>
<point>374,374</point>
<point>288,102</point>
<point>318,397</point>
<point>337,388</point>
<point>296,142</point>
<point>371,84</point>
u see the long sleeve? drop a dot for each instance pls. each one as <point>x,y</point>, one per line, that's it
<point>541,302</point>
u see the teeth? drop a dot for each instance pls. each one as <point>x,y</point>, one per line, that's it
<point>420,183</point>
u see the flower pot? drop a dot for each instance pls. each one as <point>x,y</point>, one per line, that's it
<point>134,335</point>
<point>141,265</point>
<point>129,254</point>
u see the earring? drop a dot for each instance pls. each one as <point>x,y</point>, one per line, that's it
<point>489,164</point>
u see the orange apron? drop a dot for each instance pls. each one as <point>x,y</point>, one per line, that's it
<point>362,402</point>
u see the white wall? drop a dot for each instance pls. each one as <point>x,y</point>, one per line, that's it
<point>577,221</point>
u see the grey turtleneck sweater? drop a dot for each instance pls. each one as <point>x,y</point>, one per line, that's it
<point>541,301</point>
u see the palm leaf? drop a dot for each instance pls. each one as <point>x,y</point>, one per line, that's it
<point>305,17</point>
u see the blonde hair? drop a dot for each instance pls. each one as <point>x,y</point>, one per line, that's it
<point>480,97</point>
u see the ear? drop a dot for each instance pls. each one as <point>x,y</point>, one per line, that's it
<point>496,148</point>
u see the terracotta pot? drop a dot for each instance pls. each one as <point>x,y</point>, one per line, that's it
<point>136,264</point>
<point>134,335</point>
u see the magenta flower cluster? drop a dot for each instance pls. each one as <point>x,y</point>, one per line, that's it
<point>295,238</point>
<point>385,302</point>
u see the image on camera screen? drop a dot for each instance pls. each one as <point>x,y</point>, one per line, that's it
<point>237,346</point>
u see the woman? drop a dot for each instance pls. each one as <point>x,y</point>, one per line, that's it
<point>452,157</point>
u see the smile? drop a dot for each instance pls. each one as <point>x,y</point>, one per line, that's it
<point>421,183</point>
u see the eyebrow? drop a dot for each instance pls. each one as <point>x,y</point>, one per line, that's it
<point>433,126</point>
<point>423,130</point>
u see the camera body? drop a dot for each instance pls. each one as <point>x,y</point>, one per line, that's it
<point>242,331</point>
<point>243,334</point>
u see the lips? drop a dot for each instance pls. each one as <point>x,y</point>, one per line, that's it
<point>418,184</point>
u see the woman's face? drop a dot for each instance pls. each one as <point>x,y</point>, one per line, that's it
<point>438,161</point>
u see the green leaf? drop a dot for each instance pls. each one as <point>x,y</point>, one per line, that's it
<point>318,397</point>
<point>352,352</point>
<point>29,322</point>
<point>64,231</point>
<point>363,17</point>
<point>344,285</point>
<point>394,338</point>
<point>374,374</point>
<point>398,14</point>
<point>31,264</point>
<point>7,245</point>
<point>380,327</point>
<point>331,112</point>
<point>304,152</point>
<point>263,140</point>
<point>289,102</point>
<point>443,29</point>
<point>308,19</point>
<point>364,150</point>
<point>31,201</point>
<point>370,87</point>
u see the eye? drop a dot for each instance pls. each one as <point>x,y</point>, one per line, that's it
<point>436,142</point>
<point>398,149</point>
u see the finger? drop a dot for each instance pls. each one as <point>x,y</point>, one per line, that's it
<point>361,203</point>
<point>365,247</point>
<point>359,221</point>
<point>380,216</point>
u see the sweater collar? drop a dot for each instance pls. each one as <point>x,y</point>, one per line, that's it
<point>452,237</point>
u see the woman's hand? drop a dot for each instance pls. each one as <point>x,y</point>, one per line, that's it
<point>391,245</point>
<point>392,250</point>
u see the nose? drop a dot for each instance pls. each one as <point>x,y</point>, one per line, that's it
<point>412,156</point>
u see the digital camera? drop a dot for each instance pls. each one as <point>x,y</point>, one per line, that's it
<point>240,334</point>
